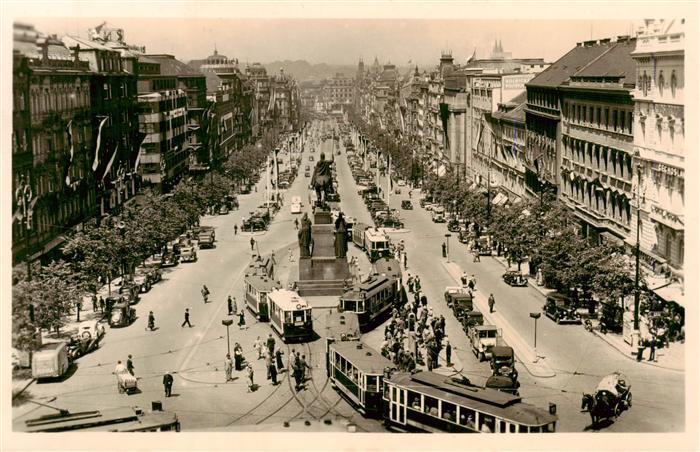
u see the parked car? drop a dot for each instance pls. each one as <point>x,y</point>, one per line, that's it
<point>188,253</point>
<point>453,225</point>
<point>223,210</point>
<point>170,260</point>
<point>471,319</point>
<point>438,214</point>
<point>503,361</point>
<point>503,383</point>
<point>87,339</point>
<point>464,236</point>
<point>130,291</point>
<point>514,278</point>
<point>406,204</point>
<point>153,261</point>
<point>50,361</point>
<point>121,314</point>
<point>561,309</point>
<point>482,339</point>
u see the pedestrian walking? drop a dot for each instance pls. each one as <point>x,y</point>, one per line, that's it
<point>444,249</point>
<point>273,373</point>
<point>269,362</point>
<point>417,283</point>
<point>187,319</point>
<point>250,378</point>
<point>405,260</point>
<point>102,304</point>
<point>492,302</point>
<point>94,303</point>
<point>235,229</point>
<point>448,352</point>
<point>252,243</point>
<point>238,356</point>
<point>228,367</point>
<point>229,301</point>
<point>258,347</point>
<point>270,343</point>
<point>296,223</point>
<point>130,365</point>
<point>278,357</point>
<point>652,345</point>
<point>241,320</point>
<point>168,384</point>
<point>471,284</point>
<point>305,368</point>
<point>477,256</point>
<point>235,306</point>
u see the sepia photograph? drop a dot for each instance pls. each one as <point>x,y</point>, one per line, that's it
<point>229,224</point>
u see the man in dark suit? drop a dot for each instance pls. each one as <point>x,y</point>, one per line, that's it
<point>168,384</point>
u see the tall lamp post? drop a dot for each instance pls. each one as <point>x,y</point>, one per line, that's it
<point>227,323</point>
<point>535,315</point>
<point>636,263</point>
<point>25,202</point>
<point>447,246</point>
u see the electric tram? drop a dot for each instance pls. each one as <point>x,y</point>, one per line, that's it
<point>257,287</point>
<point>433,403</point>
<point>290,315</point>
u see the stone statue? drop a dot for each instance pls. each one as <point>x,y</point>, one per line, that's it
<point>305,237</point>
<point>341,236</point>
<point>322,179</point>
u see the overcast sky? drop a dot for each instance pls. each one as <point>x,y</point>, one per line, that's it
<point>340,41</point>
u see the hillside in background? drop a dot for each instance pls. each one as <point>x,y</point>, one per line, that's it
<point>302,70</point>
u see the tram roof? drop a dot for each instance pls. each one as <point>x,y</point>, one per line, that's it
<point>388,266</point>
<point>287,299</point>
<point>342,322</point>
<point>376,234</point>
<point>486,400</point>
<point>262,282</point>
<point>373,283</point>
<point>366,359</point>
<point>120,418</point>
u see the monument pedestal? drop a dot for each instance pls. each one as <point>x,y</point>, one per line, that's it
<point>322,273</point>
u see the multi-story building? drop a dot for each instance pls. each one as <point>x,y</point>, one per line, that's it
<point>338,91</point>
<point>115,115</point>
<point>659,132</point>
<point>543,116</point>
<point>508,162</point>
<point>194,84</point>
<point>163,121</point>
<point>597,144</point>
<point>262,91</point>
<point>53,146</point>
<point>284,100</point>
<point>488,91</point>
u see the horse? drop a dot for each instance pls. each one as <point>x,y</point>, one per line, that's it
<point>600,406</point>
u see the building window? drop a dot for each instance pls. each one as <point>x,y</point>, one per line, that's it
<point>674,82</point>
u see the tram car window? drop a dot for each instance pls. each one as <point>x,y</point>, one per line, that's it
<point>290,315</point>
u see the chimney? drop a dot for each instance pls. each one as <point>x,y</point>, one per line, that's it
<point>44,51</point>
<point>604,41</point>
<point>622,38</point>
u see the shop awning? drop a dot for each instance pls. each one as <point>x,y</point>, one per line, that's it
<point>672,292</point>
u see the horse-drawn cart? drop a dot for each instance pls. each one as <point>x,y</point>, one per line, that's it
<point>612,396</point>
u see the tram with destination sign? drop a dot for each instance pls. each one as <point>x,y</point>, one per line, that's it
<point>290,315</point>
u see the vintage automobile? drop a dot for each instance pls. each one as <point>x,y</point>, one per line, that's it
<point>514,278</point>
<point>459,300</point>
<point>223,210</point>
<point>205,239</point>
<point>503,361</point>
<point>397,190</point>
<point>126,383</point>
<point>561,309</point>
<point>406,205</point>
<point>86,339</point>
<point>482,339</point>
<point>611,317</point>
<point>170,259</point>
<point>612,396</point>
<point>453,225</point>
<point>130,291</point>
<point>426,201</point>
<point>438,214</point>
<point>188,253</point>
<point>471,319</point>
<point>153,261</point>
<point>464,236</point>
<point>254,223</point>
<point>503,383</point>
<point>121,314</point>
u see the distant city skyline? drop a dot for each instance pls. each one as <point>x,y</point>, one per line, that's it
<point>344,41</point>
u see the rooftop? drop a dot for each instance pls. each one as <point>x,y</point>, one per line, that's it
<point>169,65</point>
<point>617,61</point>
<point>573,61</point>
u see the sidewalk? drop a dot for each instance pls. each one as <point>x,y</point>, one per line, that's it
<point>671,357</point>
<point>534,364</point>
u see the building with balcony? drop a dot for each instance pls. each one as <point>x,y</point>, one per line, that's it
<point>659,133</point>
<point>113,99</point>
<point>596,170</point>
<point>53,145</point>
<point>338,92</point>
<point>508,162</point>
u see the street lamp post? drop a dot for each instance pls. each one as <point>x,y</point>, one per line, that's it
<point>447,246</point>
<point>636,263</point>
<point>227,323</point>
<point>535,315</point>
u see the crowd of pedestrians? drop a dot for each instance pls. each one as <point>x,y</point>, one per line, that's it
<point>414,336</point>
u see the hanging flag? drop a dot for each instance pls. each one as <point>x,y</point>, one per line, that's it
<point>70,145</point>
<point>138,160</point>
<point>111,160</point>
<point>96,162</point>
<point>272,101</point>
